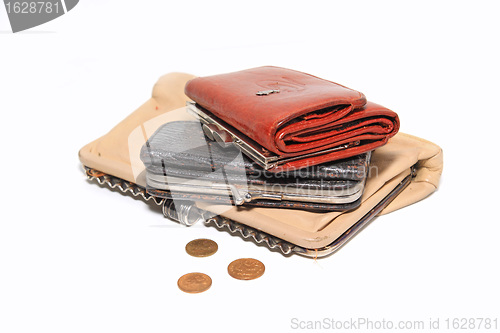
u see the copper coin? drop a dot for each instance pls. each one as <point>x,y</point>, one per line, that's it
<point>246,269</point>
<point>201,247</point>
<point>194,283</point>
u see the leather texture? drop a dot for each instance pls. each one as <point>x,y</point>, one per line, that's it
<point>179,149</point>
<point>307,115</point>
<point>117,153</point>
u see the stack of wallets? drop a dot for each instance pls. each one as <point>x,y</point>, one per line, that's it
<point>270,153</point>
<point>269,137</point>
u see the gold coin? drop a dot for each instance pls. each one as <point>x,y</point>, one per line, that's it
<point>194,283</point>
<point>201,247</point>
<point>246,269</point>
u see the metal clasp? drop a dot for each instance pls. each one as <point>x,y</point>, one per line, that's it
<point>185,213</point>
<point>214,133</point>
<point>266,92</point>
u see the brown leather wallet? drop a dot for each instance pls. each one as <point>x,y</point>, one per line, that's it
<point>285,120</point>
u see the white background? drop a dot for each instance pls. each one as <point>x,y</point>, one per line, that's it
<point>75,257</point>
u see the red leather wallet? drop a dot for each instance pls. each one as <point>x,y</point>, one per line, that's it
<point>285,119</point>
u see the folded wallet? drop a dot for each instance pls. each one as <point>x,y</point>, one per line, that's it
<point>182,164</point>
<point>286,120</point>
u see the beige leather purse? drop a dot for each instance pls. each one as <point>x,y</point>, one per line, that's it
<point>402,172</point>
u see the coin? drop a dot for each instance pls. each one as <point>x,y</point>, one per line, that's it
<point>246,269</point>
<point>201,247</point>
<point>194,283</point>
